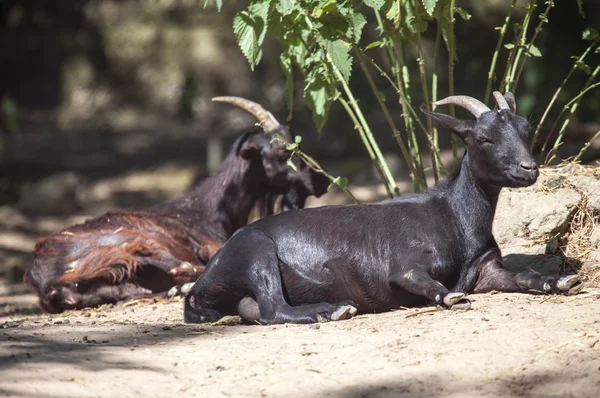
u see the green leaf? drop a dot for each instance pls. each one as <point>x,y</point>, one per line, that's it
<point>597,50</point>
<point>339,53</point>
<point>463,13</point>
<point>376,4</point>
<point>590,34</point>
<point>429,5</point>
<point>286,7</point>
<point>250,28</point>
<point>377,43</point>
<point>341,182</point>
<point>509,46</point>
<point>286,65</point>
<point>394,14</point>
<point>584,67</point>
<point>357,23</point>
<point>580,8</point>
<point>319,93</point>
<point>291,164</point>
<point>534,51</point>
<point>297,139</point>
<point>219,4</point>
<point>324,7</point>
<point>292,146</point>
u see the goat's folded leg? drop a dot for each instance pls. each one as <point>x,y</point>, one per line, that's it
<point>252,287</point>
<point>493,276</point>
<point>418,281</point>
<point>186,269</point>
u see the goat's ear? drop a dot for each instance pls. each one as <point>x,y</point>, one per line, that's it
<point>461,127</point>
<point>249,149</point>
<point>510,100</point>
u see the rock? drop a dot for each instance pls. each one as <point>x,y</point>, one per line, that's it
<point>595,237</point>
<point>532,213</point>
<point>589,184</point>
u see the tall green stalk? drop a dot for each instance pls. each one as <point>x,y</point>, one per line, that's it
<point>555,96</point>
<point>586,147</point>
<point>543,19</point>
<point>488,87</point>
<point>421,61</point>
<point>510,76</point>
<point>451,63</point>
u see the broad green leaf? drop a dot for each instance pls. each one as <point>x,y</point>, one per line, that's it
<point>286,65</point>
<point>339,53</point>
<point>357,23</point>
<point>250,28</point>
<point>534,51</point>
<point>463,13</point>
<point>287,6</point>
<point>429,5</point>
<point>584,67</point>
<point>319,93</point>
<point>324,7</point>
<point>590,34</point>
<point>333,27</point>
<point>297,139</point>
<point>376,4</point>
<point>394,14</point>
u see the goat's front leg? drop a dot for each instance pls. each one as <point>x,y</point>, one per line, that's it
<point>419,282</point>
<point>493,276</point>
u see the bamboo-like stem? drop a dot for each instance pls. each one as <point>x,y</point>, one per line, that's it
<point>488,88</point>
<point>388,180</point>
<point>574,104</point>
<point>384,108</point>
<point>434,85</point>
<point>543,19</point>
<point>558,90</point>
<point>586,146</point>
<point>425,90</point>
<point>521,46</point>
<point>451,63</point>
<point>418,174</point>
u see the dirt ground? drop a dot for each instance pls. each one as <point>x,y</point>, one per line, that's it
<point>506,345</point>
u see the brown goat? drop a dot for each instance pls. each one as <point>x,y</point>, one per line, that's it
<point>123,255</point>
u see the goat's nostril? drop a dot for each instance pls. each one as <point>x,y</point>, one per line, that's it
<point>529,166</point>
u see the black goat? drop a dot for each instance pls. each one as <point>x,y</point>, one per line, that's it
<point>331,262</point>
<point>127,254</point>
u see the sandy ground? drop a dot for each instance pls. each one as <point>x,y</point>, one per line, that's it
<point>506,345</point>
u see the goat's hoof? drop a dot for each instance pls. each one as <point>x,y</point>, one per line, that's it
<point>575,289</point>
<point>462,305</point>
<point>172,292</point>
<point>322,318</point>
<point>452,298</point>
<point>565,283</point>
<point>344,312</point>
<point>186,288</point>
<point>185,264</point>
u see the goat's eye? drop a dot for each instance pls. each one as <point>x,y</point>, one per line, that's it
<point>484,140</point>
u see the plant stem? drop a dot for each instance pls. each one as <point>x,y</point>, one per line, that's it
<point>543,19</point>
<point>586,146</point>
<point>574,104</point>
<point>434,84</point>
<point>425,90</point>
<point>387,178</point>
<point>488,88</point>
<point>385,109</point>
<point>555,96</point>
<point>522,40</point>
<point>451,63</point>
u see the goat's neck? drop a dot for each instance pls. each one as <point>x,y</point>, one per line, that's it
<point>222,202</point>
<point>473,202</point>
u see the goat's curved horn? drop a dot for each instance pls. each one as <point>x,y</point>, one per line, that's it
<point>471,104</point>
<point>265,119</point>
<point>502,104</point>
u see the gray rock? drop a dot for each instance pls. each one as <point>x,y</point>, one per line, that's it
<point>591,186</point>
<point>532,213</point>
<point>595,237</point>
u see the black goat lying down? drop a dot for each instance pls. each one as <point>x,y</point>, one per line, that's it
<point>123,255</point>
<point>331,262</point>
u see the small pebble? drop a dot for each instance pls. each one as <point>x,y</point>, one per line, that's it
<point>315,326</point>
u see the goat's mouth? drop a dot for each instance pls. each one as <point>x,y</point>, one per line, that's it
<point>522,179</point>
